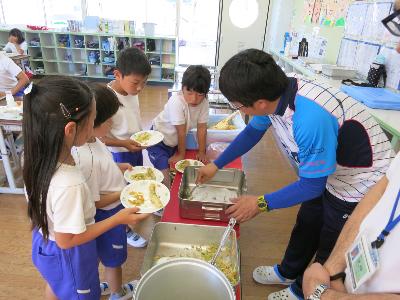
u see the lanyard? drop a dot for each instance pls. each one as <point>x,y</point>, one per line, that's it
<point>389,226</point>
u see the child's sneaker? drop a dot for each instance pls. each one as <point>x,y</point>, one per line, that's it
<point>126,291</point>
<point>159,213</point>
<point>135,240</point>
<point>105,289</point>
<point>270,275</point>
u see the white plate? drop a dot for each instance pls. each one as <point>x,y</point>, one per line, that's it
<point>141,169</point>
<point>192,162</point>
<point>142,186</point>
<point>155,137</point>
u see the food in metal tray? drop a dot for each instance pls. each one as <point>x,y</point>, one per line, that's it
<point>154,198</point>
<point>148,175</point>
<point>143,137</point>
<point>225,124</point>
<point>136,198</point>
<point>206,253</point>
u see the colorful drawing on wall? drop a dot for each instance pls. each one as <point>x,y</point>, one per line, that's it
<point>317,11</point>
<point>333,12</point>
<point>308,10</point>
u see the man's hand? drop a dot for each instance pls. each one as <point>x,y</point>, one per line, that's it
<point>206,173</point>
<point>124,166</point>
<point>201,156</point>
<point>132,146</point>
<point>244,208</point>
<point>175,158</point>
<point>315,275</point>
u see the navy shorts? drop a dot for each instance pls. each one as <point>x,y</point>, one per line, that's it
<point>134,158</point>
<point>111,245</point>
<point>71,273</point>
<point>160,154</point>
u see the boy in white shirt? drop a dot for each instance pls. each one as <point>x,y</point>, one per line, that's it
<point>132,70</point>
<point>105,180</point>
<point>185,110</point>
<point>12,78</point>
<point>16,42</point>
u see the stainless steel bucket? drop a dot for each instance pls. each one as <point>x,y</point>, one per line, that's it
<point>184,278</point>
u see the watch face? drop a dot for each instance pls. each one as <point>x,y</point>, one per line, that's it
<point>262,204</point>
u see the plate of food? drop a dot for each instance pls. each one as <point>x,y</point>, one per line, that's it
<point>149,195</point>
<point>147,138</point>
<point>143,173</point>
<point>182,164</point>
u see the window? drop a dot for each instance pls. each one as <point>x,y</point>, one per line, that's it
<point>161,12</point>
<point>58,12</point>
<point>23,12</point>
<point>198,26</point>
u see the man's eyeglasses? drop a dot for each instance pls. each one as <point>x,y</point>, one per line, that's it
<point>392,23</point>
<point>234,107</point>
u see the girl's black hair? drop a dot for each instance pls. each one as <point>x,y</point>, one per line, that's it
<point>197,78</point>
<point>51,104</point>
<point>252,75</point>
<point>107,103</point>
<point>18,34</point>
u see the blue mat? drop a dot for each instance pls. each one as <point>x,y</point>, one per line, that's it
<point>374,97</point>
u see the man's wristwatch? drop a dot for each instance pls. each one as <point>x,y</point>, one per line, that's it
<point>262,204</point>
<point>319,290</point>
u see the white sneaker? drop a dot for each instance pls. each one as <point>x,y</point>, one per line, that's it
<point>128,289</point>
<point>135,240</point>
<point>270,275</point>
<point>285,294</point>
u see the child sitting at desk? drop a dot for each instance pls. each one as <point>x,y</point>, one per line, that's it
<point>16,42</point>
<point>12,78</point>
<point>183,111</point>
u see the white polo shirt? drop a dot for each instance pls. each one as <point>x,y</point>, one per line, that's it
<point>10,47</point>
<point>387,277</point>
<point>177,112</point>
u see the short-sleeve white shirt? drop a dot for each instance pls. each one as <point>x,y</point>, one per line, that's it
<point>178,112</point>
<point>127,120</point>
<point>10,47</point>
<point>9,71</point>
<point>70,206</point>
<point>101,172</point>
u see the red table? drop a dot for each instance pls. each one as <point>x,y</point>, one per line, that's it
<point>171,211</point>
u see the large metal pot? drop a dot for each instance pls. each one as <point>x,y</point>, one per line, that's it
<point>184,278</point>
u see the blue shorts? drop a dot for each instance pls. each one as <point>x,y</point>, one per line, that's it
<point>134,158</point>
<point>159,155</point>
<point>72,273</point>
<point>111,245</point>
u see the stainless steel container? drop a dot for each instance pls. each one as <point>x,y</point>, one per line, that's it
<point>184,278</point>
<point>175,240</point>
<point>231,179</point>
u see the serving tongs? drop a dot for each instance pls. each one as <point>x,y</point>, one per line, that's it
<point>225,236</point>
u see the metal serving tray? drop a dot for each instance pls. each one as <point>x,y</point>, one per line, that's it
<point>174,240</point>
<point>232,182</point>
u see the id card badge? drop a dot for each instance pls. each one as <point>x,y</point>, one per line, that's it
<point>362,261</point>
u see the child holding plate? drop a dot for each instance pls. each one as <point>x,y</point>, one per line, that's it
<point>185,110</point>
<point>106,181</point>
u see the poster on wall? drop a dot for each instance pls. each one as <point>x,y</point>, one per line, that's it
<point>326,12</point>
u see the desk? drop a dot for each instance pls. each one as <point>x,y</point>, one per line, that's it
<point>389,120</point>
<point>171,211</point>
<point>6,129</point>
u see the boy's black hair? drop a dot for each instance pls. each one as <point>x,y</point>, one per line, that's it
<point>252,75</point>
<point>197,78</point>
<point>18,34</point>
<point>52,103</point>
<point>133,61</point>
<point>107,103</point>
